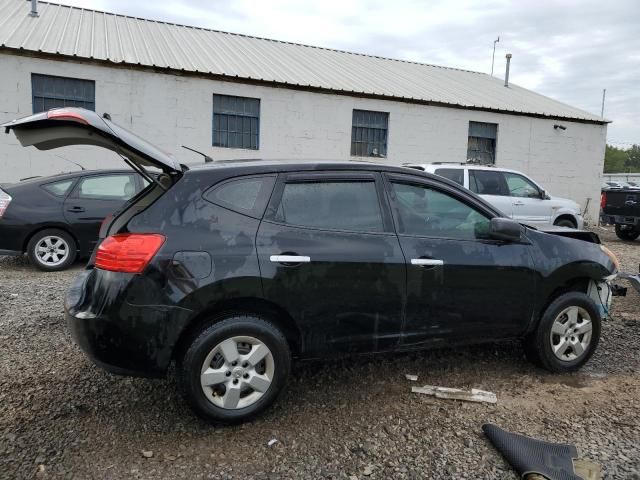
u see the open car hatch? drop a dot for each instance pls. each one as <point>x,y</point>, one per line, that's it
<point>77,126</point>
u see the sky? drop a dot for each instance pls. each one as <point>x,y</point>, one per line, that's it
<point>566,49</point>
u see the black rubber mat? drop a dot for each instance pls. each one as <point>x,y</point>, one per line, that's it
<point>527,455</point>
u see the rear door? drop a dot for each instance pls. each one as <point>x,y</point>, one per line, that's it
<point>530,205</point>
<point>329,256</point>
<point>492,186</point>
<point>92,199</point>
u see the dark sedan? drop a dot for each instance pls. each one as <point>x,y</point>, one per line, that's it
<point>56,219</point>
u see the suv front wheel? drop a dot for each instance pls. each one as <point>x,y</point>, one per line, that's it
<point>234,368</point>
<point>567,335</point>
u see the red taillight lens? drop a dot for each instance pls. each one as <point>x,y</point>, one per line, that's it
<point>128,252</point>
<point>65,114</point>
<point>603,200</point>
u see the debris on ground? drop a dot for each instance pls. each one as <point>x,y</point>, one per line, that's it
<point>272,442</point>
<point>411,378</point>
<point>147,453</point>
<point>474,395</point>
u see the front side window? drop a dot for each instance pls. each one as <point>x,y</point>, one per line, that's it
<point>346,205</point>
<point>244,195</point>
<point>236,122</point>
<point>424,211</point>
<point>488,182</point>
<point>52,92</point>
<point>369,133</point>
<point>454,174</point>
<point>60,188</point>
<point>520,186</point>
<point>481,146</point>
<point>107,187</point>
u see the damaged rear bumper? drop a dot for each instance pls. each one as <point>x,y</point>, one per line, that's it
<point>633,279</point>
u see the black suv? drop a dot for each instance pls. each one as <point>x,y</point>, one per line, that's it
<point>232,269</point>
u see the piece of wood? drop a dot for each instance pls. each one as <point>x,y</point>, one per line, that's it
<point>474,395</point>
<point>411,378</point>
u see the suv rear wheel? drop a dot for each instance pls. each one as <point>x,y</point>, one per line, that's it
<point>234,369</point>
<point>626,234</point>
<point>52,250</point>
<point>567,334</point>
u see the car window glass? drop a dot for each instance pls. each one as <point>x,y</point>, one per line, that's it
<point>245,195</point>
<point>454,174</point>
<point>487,182</point>
<point>334,205</point>
<point>58,188</point>
<point>428,212</point>
<point>107,187</point>
<point>520,186</point>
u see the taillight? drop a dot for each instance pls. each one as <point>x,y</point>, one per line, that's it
<point>5,200</point>
<point>603,199</point>
<point>66,114</point>
<point>128,252</point>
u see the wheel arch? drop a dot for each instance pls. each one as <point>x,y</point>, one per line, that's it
<point>277,315</point>
<point>566,216</point>
<point>40,228</point>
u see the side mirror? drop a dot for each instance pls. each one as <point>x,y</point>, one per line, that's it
<point>505,229</point>
<point>544,195</point>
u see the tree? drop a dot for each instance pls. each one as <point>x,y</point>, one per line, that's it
<point>620,160</point>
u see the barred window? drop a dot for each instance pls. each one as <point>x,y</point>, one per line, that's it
<point>52,92</point>
<point>236,122</point>
<point>481,147</point>
<point>369,133</point>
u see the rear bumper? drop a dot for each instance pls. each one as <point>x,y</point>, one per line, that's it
<point>116,334</point>
<point>620,220</point>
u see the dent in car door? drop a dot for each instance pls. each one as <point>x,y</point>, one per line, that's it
<point>328,255</point>
<point>92,199</point>
<point>460,286</point>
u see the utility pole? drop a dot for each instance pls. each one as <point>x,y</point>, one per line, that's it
<point>604,93</point>
<point>493,55</point>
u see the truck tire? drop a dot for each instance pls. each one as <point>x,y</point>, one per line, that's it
<point>566,336</point>
<point>234,368</point>
<point>628,235</point>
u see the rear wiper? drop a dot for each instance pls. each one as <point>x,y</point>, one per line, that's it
<point>207,158</point>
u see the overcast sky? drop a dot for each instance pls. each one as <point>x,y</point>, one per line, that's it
<point>568,50</point>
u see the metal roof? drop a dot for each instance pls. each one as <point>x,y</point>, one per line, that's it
<point>119,39</point>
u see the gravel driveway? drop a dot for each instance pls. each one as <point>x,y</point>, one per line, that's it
<point>62,417</point>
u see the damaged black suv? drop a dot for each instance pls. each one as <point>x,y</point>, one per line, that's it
<point>231,269</point>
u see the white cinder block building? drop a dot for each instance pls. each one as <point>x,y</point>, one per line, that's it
<point>234,96</point>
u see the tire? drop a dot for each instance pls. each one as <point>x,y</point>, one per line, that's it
<point>211,346</point>
<point>539,346</point>
<point>52,250</point>
<point>565,222</point>
<point>628,235</point>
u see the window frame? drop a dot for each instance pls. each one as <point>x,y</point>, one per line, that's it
<point>262,199</point>
<point>386,134</point>
<point>461,196</point>
<point>60,97</point>
<point>495,141</point>
<point>76,188</point>
<point>235,114</point>
<point>331,177</point>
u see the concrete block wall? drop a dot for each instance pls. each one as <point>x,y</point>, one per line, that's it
<point>171,110</point>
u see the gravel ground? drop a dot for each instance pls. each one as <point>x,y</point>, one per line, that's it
<point>62,417</point>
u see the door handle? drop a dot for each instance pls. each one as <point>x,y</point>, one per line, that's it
<point>290,259</point>
<point>426,262</point>
<point>75,209</point>
<point>518,203</point>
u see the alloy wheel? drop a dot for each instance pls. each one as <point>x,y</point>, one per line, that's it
<point>237,372</point>
<point>52,251</point>
<point>570,335</point>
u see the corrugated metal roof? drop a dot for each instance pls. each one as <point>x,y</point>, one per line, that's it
<point>90,34</point>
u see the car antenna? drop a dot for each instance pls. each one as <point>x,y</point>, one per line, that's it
<point>207,158</point>
<point>70,161</point>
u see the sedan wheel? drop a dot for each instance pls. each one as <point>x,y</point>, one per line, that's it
<point>52,250</point>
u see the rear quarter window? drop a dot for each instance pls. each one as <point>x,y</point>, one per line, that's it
<point>246,195</point>
<point>59,189</point>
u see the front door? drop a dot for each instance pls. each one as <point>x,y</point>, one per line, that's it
<point>461,286</point>
<point>491,185</point>
<point>530,205</point>
<point>328,255</point>
<point>93,198</point>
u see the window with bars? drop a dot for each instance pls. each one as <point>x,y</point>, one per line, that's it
<point>481,147</point>
<point>236,122</point>
<point>369,133</point>
<point>52,92</point>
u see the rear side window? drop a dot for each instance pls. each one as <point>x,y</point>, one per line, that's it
<point>247,195</point>
<point>107,187</point>
<point>454,174</point>
<point>487,182</point>
<point>60,188</point>
<point>345,205</point>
